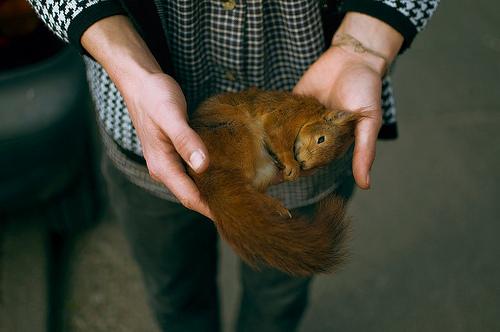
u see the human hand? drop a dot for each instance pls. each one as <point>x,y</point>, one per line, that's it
<point>347,79</point>
<point>351,84</point>
<point>156,106</point>
<point>158,110</point>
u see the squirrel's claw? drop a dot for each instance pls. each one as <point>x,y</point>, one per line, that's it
<point>284,212</point>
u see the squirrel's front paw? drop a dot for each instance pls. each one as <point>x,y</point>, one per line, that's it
<point>291,172</point>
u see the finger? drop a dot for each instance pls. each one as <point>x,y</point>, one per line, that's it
<point>172,174</point>
<point>185,190</point>
<point>187,142</point>
<point>364,150</point>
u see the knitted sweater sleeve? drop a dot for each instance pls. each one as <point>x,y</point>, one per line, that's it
<point>406,16</point>
<point>69,19</point>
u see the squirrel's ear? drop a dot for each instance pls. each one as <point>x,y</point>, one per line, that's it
<point>338,117</point>
<point>329,116</point>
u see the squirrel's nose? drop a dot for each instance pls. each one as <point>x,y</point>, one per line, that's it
<point>303,165</point>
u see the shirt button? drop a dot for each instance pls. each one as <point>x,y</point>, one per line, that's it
<point>229,4</point>
<point>230,76</point>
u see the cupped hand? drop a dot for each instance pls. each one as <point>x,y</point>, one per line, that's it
<point>342,79</point>
<point>158,110</point>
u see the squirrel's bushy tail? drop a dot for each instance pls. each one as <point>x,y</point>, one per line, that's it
<point>249,221</point>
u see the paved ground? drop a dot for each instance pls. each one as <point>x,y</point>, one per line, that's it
<point>425,248</point>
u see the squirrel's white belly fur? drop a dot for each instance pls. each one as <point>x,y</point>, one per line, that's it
<point>265,170</point>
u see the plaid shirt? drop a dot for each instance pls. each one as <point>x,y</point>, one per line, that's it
<point>228,46</point>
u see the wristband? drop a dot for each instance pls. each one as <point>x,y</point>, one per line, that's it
<point>343,39</point>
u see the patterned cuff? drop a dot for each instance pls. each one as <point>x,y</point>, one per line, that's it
<point>385,13</point>
<point>388,131</point>
<point>89,16</point>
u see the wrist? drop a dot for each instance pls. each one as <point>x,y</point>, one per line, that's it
<point>355,50</point>
<point>368,37</point>
<point>116,45</point>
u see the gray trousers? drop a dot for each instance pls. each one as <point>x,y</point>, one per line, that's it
<point>176,250</point>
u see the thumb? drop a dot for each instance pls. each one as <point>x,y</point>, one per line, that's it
<point>188,144</point>
<point>364,150</point>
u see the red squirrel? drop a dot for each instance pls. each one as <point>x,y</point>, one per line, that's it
<point>252,136</point>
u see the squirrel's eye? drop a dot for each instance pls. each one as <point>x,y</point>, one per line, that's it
<point>321,139</point>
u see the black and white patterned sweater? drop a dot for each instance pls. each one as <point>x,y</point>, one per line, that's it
<point>227,46</point>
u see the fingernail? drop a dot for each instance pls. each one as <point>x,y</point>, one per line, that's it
<point>196,159</point>
<point>368,181</point>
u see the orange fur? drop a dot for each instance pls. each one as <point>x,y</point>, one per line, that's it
<point>251,136</point>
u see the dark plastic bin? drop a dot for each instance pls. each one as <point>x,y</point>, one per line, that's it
<point>45,134</point>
